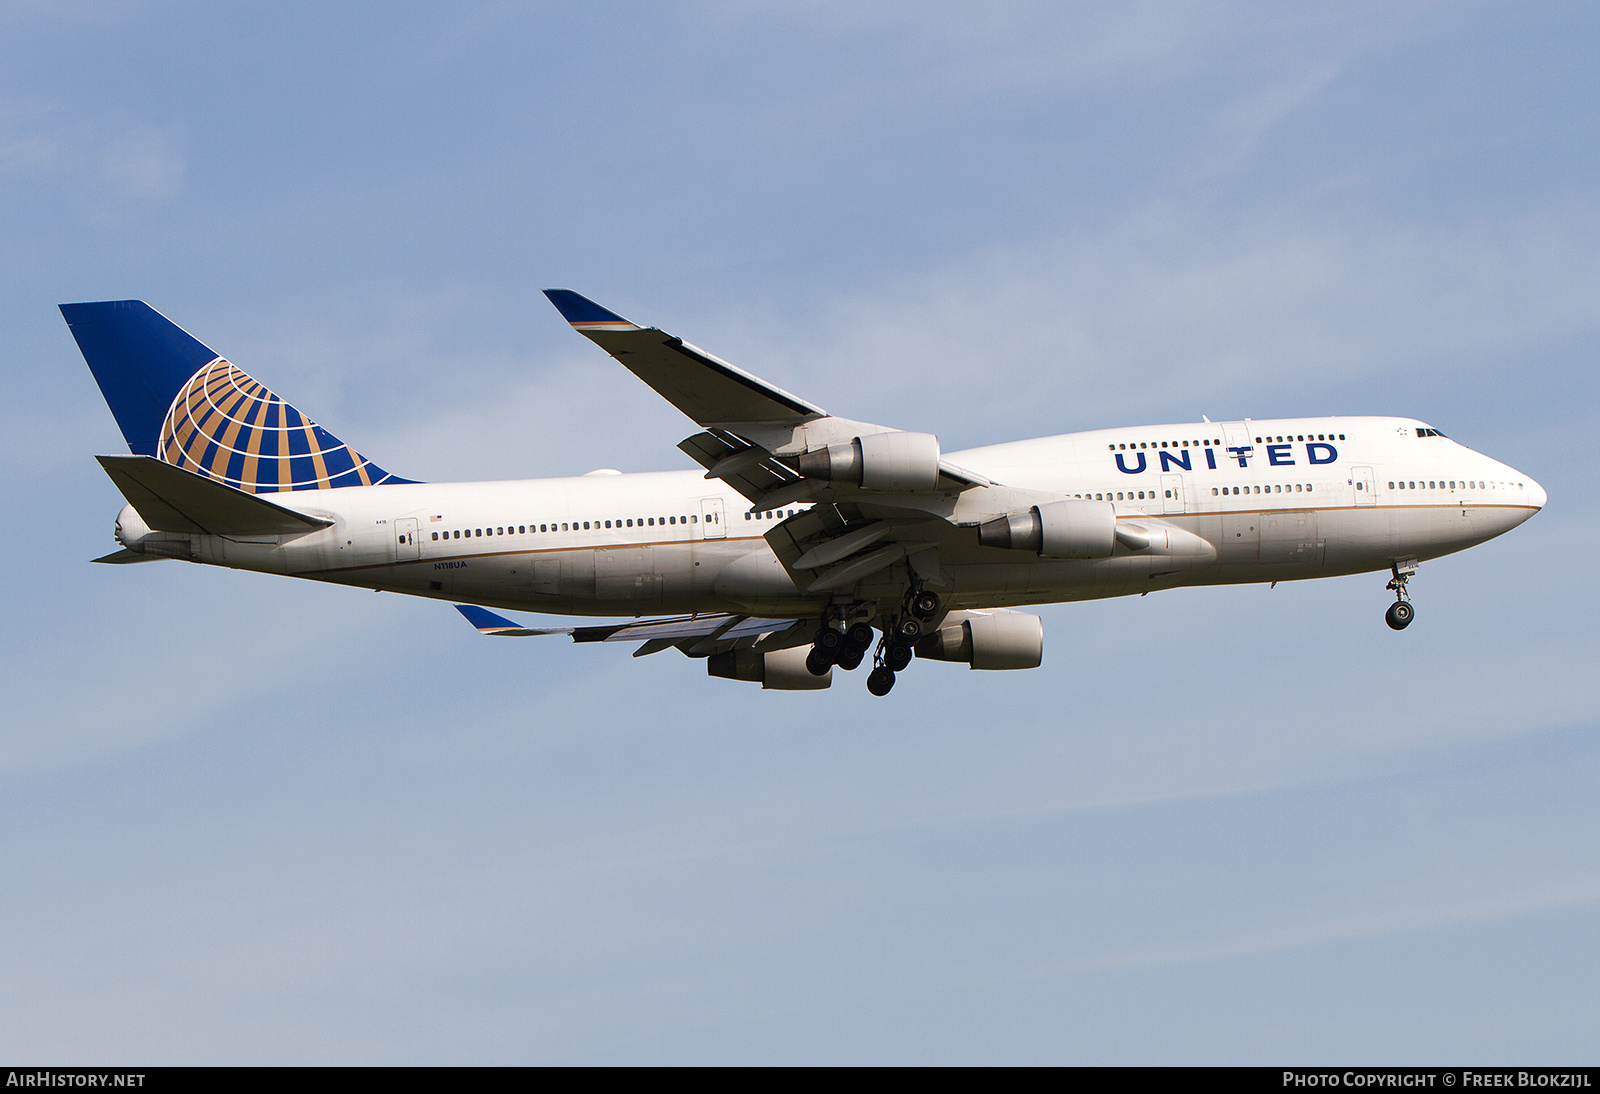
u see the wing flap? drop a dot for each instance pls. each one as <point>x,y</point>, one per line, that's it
<point>171,499</point>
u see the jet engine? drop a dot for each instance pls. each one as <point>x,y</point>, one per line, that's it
<point>993,639</point>
<point>776,670</point>
<point>890,462</point>
<point>1057,529</point>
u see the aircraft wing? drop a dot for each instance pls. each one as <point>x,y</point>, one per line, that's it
<point>706,388</point>
<point>696,635</point>
<point>878,496</point>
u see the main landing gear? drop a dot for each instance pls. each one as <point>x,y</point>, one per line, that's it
<point>844,648</point>
<point>1400,613</point>
<point>847,647</point>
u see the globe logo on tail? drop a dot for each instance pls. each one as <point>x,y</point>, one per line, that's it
<point>228,426</point>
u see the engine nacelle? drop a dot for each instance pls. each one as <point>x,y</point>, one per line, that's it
<point>1056,529</point>
<point>778,670</point>
<point>993,639</point>
<point>898,463</point>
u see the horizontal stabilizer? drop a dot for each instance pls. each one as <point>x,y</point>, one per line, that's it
<point>125,557</point>
<point>171,499</point>
<point>706,388</point>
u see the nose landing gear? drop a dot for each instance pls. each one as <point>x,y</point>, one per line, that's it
<point>1400,613</point>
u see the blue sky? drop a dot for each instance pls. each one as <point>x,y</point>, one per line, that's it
<point>252,820</point>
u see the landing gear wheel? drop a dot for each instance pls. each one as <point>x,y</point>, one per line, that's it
<point>1399,615</point>
<point>897,657</point>
<point>860,636</point>
<point>817,662</point>
<point>829,641</point>
<point>848,660</point>
<point>908,629</point>
<point>925,605</point>
<point>880,680</point>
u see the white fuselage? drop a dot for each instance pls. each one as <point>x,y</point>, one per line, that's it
<point>1277,500</point>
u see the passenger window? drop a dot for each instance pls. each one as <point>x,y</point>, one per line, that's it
<point>436,535</point>
<point>1213,491</point>
<point>694,519</point>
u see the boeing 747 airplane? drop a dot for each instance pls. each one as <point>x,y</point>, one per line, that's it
<point>809,540</point>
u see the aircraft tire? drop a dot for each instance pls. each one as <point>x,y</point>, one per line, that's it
<point>850,659</point>
<point>879,681</point>
<point>897,657</point>
<point>926,605</point>
<point>818,663</point>
<point>860,635</point>
<point>1399,615</point>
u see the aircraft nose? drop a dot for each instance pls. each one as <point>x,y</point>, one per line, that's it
<point>1536,494</point>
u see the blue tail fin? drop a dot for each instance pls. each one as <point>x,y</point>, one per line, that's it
<point>178,401</point>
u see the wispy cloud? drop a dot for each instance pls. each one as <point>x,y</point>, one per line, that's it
<point>110,160</point>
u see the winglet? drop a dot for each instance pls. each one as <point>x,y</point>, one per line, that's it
<point>488,622</point>
<point>585,314</point>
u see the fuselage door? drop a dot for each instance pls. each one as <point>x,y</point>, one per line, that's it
<point>1172,493</point>
<point>1361,478</point>
<point>407,543</point>
<point>711,525</point>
